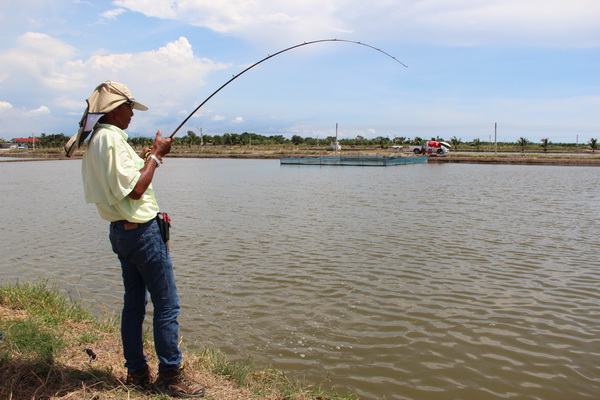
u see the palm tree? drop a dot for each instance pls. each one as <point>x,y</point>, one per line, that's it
<point>477,143</point>
<point>455,142</point>
<point>593,144</point>
<point>545,144</point>
<point>522,142</point>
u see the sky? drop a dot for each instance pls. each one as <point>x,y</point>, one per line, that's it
<point>476,69</point>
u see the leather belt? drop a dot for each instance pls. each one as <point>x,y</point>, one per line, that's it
<point>127,225</point>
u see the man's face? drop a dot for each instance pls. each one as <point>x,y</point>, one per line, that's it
<point>121,116</point>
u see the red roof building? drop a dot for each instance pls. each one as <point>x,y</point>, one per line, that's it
<point>26,140</point>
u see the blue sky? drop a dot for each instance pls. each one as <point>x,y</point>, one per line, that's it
<point>531,66</point>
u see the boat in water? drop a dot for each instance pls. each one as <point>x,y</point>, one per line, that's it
<point>363,160</point>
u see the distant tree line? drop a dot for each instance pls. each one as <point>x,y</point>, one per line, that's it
<point>52,141</point>
<point>235,139</point>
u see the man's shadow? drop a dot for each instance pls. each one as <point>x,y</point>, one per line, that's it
<point>20,380</point>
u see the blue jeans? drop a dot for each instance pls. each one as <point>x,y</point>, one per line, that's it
<point>147,268</point>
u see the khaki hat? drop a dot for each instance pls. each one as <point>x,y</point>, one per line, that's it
<point>105,98</point>
<point>110,95</point>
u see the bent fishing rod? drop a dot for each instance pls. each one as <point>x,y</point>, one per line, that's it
<point>276,54</point>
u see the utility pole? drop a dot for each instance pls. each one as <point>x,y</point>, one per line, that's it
<point>201,137</point>
<point>495,138</point>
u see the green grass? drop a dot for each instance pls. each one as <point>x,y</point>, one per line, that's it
<point>42,302</point>
<point>33,341</point>
<point>37,339</point>
<point>217,363</point>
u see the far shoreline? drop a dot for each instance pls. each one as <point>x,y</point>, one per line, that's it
<point>236,152</point>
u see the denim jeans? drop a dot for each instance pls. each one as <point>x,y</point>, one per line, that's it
<point>147,268</point>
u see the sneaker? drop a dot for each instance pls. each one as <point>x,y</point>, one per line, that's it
<point>140,379</point>
<point>177,384</point>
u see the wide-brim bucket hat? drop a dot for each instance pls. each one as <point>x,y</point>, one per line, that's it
<point>110,95</point>
<point>105,98</point>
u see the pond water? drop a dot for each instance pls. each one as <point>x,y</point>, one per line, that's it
<point>429,281</point>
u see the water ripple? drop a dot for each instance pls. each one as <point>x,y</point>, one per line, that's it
<point>480,286</point>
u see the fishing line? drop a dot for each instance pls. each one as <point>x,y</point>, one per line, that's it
<point>273,55</point>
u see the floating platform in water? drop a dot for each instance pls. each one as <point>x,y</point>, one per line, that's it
<point>356,160</point>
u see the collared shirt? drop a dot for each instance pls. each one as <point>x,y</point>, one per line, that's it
<point>111,169</point>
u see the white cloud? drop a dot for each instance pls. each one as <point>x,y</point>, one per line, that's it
<point>254,20</point>
<point>42,110</point>
<point>112,14</point>
<point>167,69</point>
<point>21,121</point>
<point>218,118</point>
<point>552,23</point>
<point>45,46</point>
<point>49,68</point>
<point>162,75</point>
<point>4,106</point>
<point>36,60</point>
<point>548,23</point>
<point>238,120</point>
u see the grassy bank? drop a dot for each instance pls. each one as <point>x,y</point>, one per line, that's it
<point>556,155</point>
<point>43,356</point>
<point>564,157</point>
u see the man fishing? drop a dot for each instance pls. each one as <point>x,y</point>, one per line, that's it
<point>119,182</point>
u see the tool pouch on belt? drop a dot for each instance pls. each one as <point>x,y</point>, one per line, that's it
<point>164,223</point>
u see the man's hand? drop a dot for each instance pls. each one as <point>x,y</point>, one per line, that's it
<point>145,153</point>
<point>161,146</point>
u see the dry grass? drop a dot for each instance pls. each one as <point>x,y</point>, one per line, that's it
<point>521,159</point>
